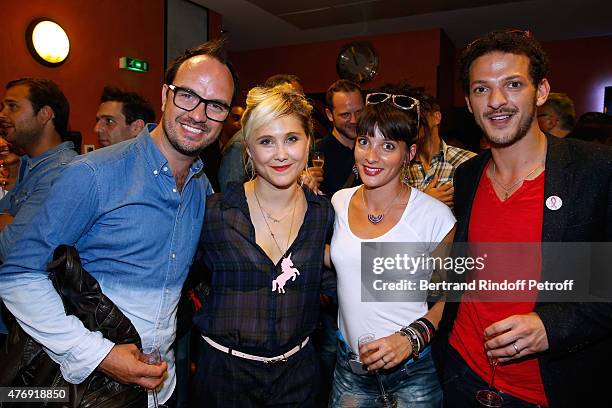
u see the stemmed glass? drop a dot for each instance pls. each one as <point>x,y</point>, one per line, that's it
<point>318,159</point>
<point>489,398</point>
<point>151,355</point>
<point>384,400</point>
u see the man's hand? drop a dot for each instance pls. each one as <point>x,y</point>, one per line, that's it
<point>312,177</point>
<point>388,351</point>
<point>124,365</point>
<point>522,335</point>
<point>443,193</point>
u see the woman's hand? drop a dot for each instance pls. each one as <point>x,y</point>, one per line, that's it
<point>388,352</point>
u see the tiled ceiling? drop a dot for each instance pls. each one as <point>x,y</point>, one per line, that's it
<point>324,13</point>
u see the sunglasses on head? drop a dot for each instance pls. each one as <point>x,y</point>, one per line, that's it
<point>524,33</point>
<point>403,102</point>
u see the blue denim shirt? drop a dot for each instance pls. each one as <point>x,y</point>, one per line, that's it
<point>136,234</point>
<point>36,174</point>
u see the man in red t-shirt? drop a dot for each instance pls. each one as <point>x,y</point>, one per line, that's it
<point>528,188</point>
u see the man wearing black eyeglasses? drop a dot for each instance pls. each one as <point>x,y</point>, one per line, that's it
<point>533,189</point>
<point>134,212</point>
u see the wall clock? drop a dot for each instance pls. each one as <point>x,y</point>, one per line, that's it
<point>357,62</point>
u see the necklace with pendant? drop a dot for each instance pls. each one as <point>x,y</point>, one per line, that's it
<point>508,189</point>
<point>377,218</point>
<point>287,269</point>
<point>271,217</point>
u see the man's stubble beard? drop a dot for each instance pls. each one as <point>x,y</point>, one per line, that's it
<point>520,133</point>
<point>172,136</point>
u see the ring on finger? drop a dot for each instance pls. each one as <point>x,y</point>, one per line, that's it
<point>516,348</point>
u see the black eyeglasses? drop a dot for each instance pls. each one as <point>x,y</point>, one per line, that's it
<point>524,33</point>
<point>189,100</point>
<point>403,102</point>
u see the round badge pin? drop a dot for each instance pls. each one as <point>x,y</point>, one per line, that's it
<point>554,203</point>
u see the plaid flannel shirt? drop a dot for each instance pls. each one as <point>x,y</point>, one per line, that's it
<point>242,312</point>
<point>442,164</point>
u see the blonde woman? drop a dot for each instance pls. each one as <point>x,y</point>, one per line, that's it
<point>264,243</point>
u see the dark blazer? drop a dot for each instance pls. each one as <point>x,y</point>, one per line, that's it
<point>579,334</point>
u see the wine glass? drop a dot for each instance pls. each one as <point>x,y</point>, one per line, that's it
<point>151,355</point>
<point>384,400</point>
<point>318,159</point>
<point>489,398</point>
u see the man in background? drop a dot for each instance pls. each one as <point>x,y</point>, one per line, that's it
<point>211,156</point>
<point>34,117</point>
<point>344,104</point>
<point>433,168</point>
<point>121,116</point>
<point>557,116</point>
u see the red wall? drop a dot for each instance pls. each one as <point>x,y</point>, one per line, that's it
<point>215,25</point>
<point>100,32</point>
<point>580,68</point>
<point>413,56</point>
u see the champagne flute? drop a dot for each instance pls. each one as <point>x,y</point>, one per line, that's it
<point>318,159</point>
<point>489,398</point>
<point>384,400</point>
<point>151,355</point>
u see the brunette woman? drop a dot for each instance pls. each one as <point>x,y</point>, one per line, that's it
<point>384,209</point>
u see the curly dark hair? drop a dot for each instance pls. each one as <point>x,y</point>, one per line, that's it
<point>134,106</point>
<point>509,41</point>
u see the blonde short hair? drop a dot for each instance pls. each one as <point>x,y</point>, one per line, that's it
<point>267,104</point>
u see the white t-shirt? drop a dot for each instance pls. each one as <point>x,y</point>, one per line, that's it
<point>425,219</point>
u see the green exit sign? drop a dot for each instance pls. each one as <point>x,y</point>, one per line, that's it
<point>133,64</point>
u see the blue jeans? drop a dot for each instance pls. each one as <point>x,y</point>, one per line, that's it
<point>414,383</point>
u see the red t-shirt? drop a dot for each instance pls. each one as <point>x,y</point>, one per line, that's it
<point>518,219</point>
